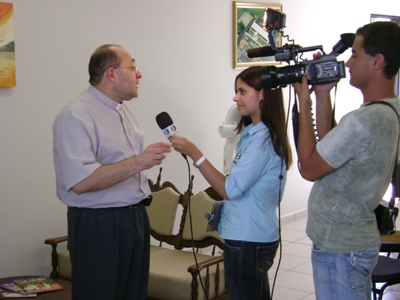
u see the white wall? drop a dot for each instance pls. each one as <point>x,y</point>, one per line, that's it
<point>184,50</point>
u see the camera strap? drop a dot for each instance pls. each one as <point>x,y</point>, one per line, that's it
<point>333,121</point>
<point>395,176</point>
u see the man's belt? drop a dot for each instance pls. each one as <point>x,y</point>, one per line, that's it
<point>145,202</point>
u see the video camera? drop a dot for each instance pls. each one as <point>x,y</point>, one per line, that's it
<point>320,70</point>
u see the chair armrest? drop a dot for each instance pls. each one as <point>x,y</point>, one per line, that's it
<point>56,240</point>
<point>195,269</point>
<point>54,254</point>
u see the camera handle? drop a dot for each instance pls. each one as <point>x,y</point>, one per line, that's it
<point>271,40</point>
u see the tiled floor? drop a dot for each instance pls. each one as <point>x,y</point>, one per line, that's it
<point>294,279</point>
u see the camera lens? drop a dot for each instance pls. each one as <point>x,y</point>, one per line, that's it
<point>273,77</point>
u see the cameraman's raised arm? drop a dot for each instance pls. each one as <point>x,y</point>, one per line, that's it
<point>323,107</point>
<point>312,165</point>
<point>324,113</point>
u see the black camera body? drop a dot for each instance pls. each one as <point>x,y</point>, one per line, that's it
<point>320,70</point>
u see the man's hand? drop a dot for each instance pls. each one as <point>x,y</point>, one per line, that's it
<point>107,176</point>
<point>153,155</point>
<point>303,91</point>
<point>322,88</point>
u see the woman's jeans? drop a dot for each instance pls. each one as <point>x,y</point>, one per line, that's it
<point>343,276</point>
<point>246,265</point>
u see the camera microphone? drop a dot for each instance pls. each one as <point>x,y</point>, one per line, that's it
<point>165,123</point>
<point>260,52</point>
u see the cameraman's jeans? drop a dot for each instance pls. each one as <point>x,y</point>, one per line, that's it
<point>343,276</point>
<point>246,265</point>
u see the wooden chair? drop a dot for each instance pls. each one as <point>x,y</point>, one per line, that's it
<point>175,273</point>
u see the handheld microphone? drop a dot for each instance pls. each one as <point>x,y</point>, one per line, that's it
<point>260,52</point>
<point>165,123</point>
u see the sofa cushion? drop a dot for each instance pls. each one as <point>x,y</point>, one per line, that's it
<point>170,279</point>
<point>64,264</point>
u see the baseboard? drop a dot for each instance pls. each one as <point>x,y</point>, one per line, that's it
<point>300,214</point>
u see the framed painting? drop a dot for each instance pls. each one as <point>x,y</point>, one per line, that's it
<point>7,52</point>
<point>248,32</point>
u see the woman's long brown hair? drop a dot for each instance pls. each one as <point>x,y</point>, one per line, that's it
<point>272,113</point>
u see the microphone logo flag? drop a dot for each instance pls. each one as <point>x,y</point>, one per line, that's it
<point>169,131</point>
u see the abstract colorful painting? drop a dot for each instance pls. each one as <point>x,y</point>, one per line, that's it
<point>7,49</point>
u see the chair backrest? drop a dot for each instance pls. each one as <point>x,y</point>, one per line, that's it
<point>167,202</point>
<point>195,229</point>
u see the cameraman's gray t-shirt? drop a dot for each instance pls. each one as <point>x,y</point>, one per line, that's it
<point>341,205</point>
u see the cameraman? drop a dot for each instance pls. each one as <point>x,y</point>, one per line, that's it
<point>352,165</point>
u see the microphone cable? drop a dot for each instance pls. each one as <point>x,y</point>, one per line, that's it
<point>191,227</point>
<point>164,121</point>
<point>279,199</point>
